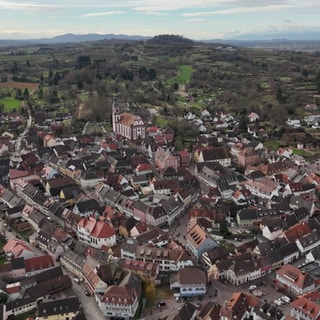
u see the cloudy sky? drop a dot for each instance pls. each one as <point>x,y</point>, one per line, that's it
<point>196,19</point>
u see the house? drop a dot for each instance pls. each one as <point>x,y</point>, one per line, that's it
<point>306,306</point>
<point>19,306</point>
<point>248,157</point>
<point>54,186</point>
<point>210,311</point>
<point>90,179</point>
<point>263,188</point>
<point>296,232</point>
<point>247,217</point>
<point>85,208</point>
<point>271,228</point>
<point>169,257</point>
<point>150,213</point>
<point>219,154</point>
<point>253,117</point>
<point>17,248</point>
<point>95,275</point>
<point>199,241</point>
<point>145,270</point>
<point>38,264</point>
<point>308,242</point>
<point>296,281</point>
<point>187,312</point>
<point>239,306</point>
<point>96,233</point>
<point>121,300</point>
<point>164,159</point>
<point>189,281</point>
<point>184,158</point>
<point>62,309</point>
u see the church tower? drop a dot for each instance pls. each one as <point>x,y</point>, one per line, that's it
<point>116,115</point>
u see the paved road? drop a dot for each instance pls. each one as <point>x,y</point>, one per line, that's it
<point>91,310</point>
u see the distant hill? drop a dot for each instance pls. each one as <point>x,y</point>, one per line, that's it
<point>171,40</point>
<point>73,38</point>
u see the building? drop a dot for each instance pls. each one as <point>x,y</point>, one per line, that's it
<point>187,282</point>
<point>96,233</point>
<point>294,280</point>
<point>198,241</point>
<point>306,307</point>
<point>122,300</point>
<point>126,124</point>
<point>63,309</point>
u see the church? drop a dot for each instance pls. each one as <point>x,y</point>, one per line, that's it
<point>127,124</point>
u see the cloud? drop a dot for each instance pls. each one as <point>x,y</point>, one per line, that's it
<point>106,13</point>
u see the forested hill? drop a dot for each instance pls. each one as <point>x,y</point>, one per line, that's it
<point>170,40</point>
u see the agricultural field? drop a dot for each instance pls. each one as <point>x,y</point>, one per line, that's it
<point>10,104</point>
<point>83,78</point>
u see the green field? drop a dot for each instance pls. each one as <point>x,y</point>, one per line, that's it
<point>10,103</point>
<point>183,76</point>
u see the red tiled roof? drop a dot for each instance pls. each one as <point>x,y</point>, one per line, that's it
<point>297,231</point>
<point>38,263</point>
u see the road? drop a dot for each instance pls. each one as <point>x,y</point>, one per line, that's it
<point>91,310</point>
<point>26,130</point>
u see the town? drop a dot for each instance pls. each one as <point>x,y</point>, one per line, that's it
<point>122,225</point>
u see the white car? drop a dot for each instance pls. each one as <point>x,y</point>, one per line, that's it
<point>253,287</point>
<point>277,302</point>
<point>286,299</point>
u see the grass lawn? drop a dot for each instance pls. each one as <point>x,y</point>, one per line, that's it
<point>10,103</point>
<point>183,76</point>
<point>162,122</point>
<point>272,144</point>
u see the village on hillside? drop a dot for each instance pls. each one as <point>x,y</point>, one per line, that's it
<point>122,225</point>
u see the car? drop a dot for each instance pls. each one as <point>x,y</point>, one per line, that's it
<point>252,287</point>
<point>286,299</point>
<point>276,302</point>
<point>76,280</point>
<point>161,304</point>
<point>87,293</point>
<point>259,284</point>
<point>9,228</point>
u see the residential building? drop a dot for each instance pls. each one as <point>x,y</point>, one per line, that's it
<point>306,307</point>
<point>122,300</point>
<point>294,280</point>
<point>199,241</point>
<point>189,281</point>
<point>62,309</point>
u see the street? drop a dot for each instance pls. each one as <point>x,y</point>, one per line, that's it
<point>91,310</point>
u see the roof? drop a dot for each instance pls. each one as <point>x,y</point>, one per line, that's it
<point>295,275</point>
<point>192,276</point>
<point>56,307</point>
<point>38,263</point>
<point>297,231</point>
<point>215,154</point>
<point>129,118</point>
<point>97,229</point>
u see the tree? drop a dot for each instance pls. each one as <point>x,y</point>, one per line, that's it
<point>83,61</point>
<point>243,126</point>
<point>224,228</point>
<point>26,94</point>
<point>3,297</point>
